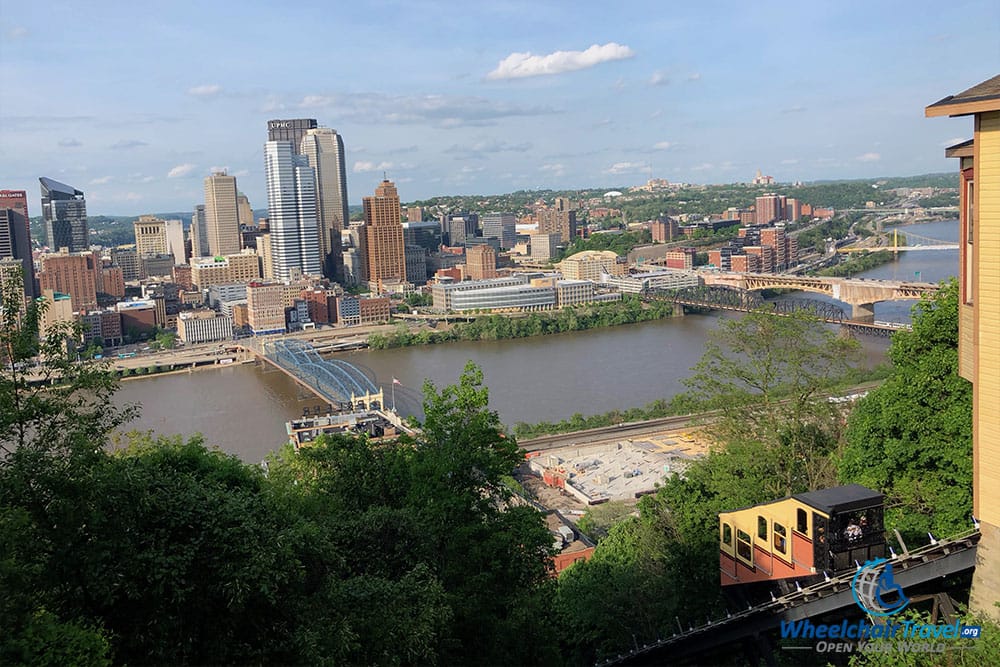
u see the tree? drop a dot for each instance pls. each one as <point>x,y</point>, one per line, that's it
<point>766,373</point>
<point>912,437</point>
<point>52,411</point>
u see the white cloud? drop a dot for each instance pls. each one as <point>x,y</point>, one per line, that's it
<point>656,114</point>
<point>658,79</point>
<point>798,108</point>
<point>555,168</point>
<point>790,161</point>
<point>480,148</point>
<point>181,170</point>
<point>205,90</point>
<point>103,180</point>
<point>869,157</point>
<point>704,166</point>
<point>70,143</point>
<point>17,32</point>
<point>362,166</point>
<point>316,101</point>
<point>471,170</point>
<point>662,146</point>
<point>520,65</point>
<point>215,168</point>
<point>694,76</point>
<point>125,144</point>
<point>626,168</point>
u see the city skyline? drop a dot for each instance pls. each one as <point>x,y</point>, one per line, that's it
<point>611,98</point>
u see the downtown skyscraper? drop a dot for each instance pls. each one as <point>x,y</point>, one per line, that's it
<point>222,224</point>
<point>15,236</point>
<point>291,129</point>
<point>292,218</point>
<point>324,149</point>
<point>64,210</point>
<point>386,256</point>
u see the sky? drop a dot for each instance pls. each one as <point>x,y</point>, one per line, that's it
<point>135,104</point>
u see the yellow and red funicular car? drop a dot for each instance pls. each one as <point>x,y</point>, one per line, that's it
<point>807,534</point>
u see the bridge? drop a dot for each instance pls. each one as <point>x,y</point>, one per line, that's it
<point>911,569</point>
<point>928,243</point>
<point>728,298</point>
<point>337,382</point>
<point>860,294</point>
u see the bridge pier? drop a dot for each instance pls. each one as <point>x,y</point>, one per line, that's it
<point>677,310</point>
<point>863,312</point>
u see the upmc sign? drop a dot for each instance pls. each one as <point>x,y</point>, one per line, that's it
<point>278,125</point>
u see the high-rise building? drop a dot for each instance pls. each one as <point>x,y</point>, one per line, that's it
<point>292,130</point>
<point>459,227</point>
<point>222,224</point>
<point>769,208</point>
<point>558,220</point>
<point>150,235</point>
<point>481,262</point>
<point>426,234</point>
<point>65,212</point>
<point>386,257</point>
<point>502,226</point>
<point>291,203</point>
<point>15,235</point>
<point>243,211</point>
<point>175,240</point>
<point>76,274</point>
<point>324,149</point>
<point>199,234</point>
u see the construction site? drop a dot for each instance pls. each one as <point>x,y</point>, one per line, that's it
<point>622,470</point>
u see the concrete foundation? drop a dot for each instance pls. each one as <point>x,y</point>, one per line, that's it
<point>985,593</point>
<point>863,312</point>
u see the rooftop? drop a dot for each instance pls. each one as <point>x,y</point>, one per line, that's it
<point>840,498</point>
<point>981,97</point>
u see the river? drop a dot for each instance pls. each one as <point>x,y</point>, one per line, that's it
<point>243,409</point>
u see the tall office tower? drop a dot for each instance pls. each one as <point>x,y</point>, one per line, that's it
<point>291,203</point>
<point>325,150</point>
<point>459,227</point>
<point>386,256</point>
<point>264,250</point>
<point>65,212</point>
<point>222,224</point>
<point>150,235</point>
<point>503,226</point>
<point>15,235</point>
<point>290,130</point>
<point>353,241</point>
<point>243,211</point>
<point>199,233</point>
<point>175,240</point>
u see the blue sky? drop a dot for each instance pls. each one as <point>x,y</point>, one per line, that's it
<point>136,105</point>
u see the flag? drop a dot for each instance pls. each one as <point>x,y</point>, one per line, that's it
<point>395,381</point>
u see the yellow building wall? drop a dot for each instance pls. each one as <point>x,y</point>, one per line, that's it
<point>986,390</point>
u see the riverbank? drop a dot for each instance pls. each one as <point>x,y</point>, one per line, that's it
<point>680,405</point>
<point>630,310</point>
<point>857,263</point>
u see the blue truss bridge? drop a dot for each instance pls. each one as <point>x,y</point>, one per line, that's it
<point>338,382</point>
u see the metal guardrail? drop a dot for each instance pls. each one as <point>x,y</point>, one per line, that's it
<point>796,605</point>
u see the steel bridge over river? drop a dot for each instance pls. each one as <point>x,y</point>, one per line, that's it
<point>338,382</point>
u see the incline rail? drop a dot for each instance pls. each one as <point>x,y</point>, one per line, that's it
<point>940,558</point>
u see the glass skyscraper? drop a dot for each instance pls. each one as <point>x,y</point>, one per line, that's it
<point>65,212</point>
<point>291,203</point>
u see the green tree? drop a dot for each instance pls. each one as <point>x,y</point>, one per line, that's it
<point>766,374</point>
<point>912,437</point>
